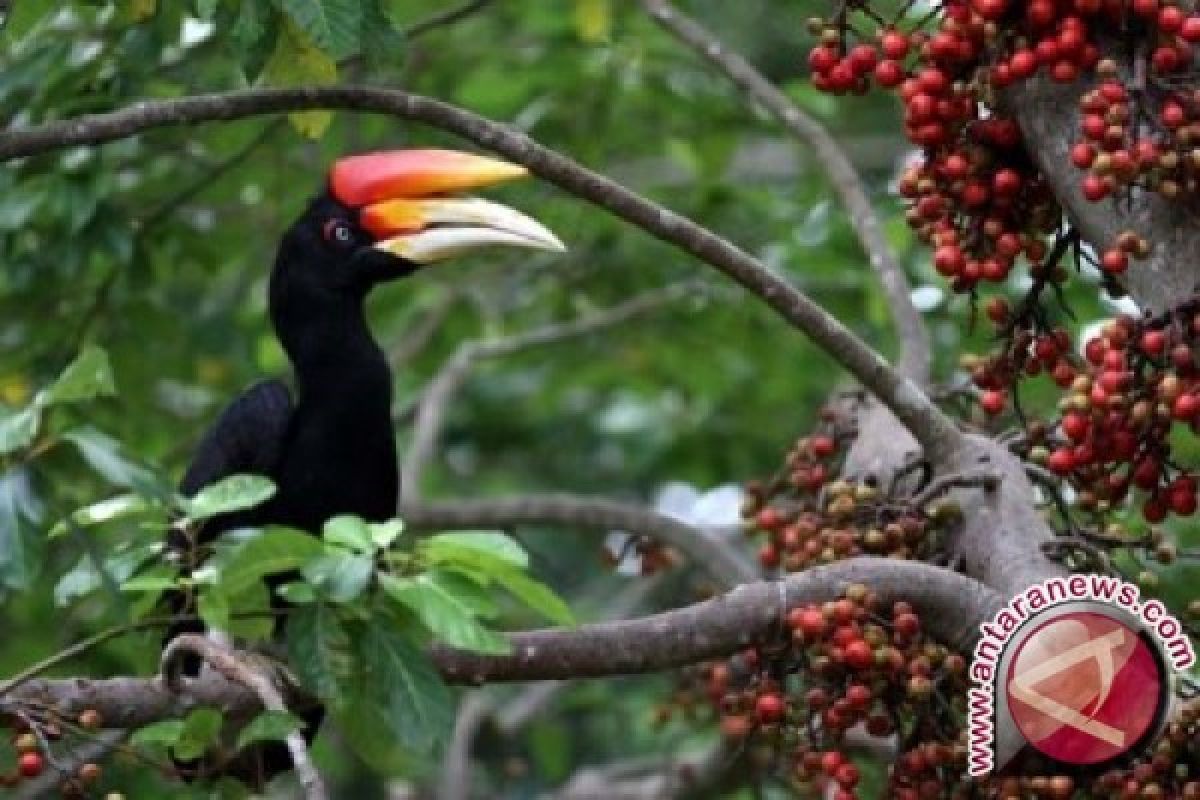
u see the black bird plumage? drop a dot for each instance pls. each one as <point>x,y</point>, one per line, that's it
<point>331,449</point>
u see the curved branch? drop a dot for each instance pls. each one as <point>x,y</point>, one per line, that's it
<point>952,605</point>
<point>933,428</point>
<point>238,671</point>
<point>708,552</point>
<point>915,358</point>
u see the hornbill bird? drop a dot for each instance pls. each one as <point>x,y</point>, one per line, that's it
<point>330,448</point>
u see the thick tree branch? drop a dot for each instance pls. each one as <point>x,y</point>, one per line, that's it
<point>933,429</point>
<point>952,605</point>
<point>478,708</point>
<point>714,555</point>
<point>746,615</point>
<point>438,396</point>
<point>518,712</point>
<point>915,358</point>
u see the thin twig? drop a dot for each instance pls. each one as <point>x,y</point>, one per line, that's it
<point>77,649</point>
<point>717,556</point>
<point>915,359</point>
<point>443,18</point>
<point>236,669</point>
<point>988,481</point>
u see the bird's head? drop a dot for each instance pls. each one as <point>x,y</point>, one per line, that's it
<point>386,215</point>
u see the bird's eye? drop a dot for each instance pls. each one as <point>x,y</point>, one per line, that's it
<point>336,231</point>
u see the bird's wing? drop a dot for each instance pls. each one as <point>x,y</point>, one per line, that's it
<point>247,437</point>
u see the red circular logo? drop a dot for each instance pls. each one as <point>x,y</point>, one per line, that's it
<point>1084,687</point>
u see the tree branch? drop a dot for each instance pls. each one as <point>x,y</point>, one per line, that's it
<point>915,358</point>
<point>443,18</point>
<point>749,614</point>
<point>236,670</point>
<point>455,780</point>
<point>952,606</point>
<point>438,396</point>
<point>478,708</point>
<point>714,555</point>
<point>529,704</point>
<point>937,433</point>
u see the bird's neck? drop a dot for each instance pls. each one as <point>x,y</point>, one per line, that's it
<point>338,364</point>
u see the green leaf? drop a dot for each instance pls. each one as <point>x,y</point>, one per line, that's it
<point>271,551</point>
<point>297,593</point>
<point>381,40</point>
<point>164,734</point>
<point>254,34</point>
<point>257,628</point>
<point>297,62</point>
<point>467,547</point>
<point>341,577</point>
<point>435,599</point>
<point>537,596</point>
<point>18,428</point>
<point>83,578</point>
<point>332,25</point>
<point>349,531</point>
<point>399,690</point>
<point>319,651</point>
<point>87,377</point>
<point>20,546</point>
<point>384,533</point>
<point>200,730</point>
<point>158,578</point>
<point>103,454</point>
<point>269,726</point>
<point>213,607</point>
<point>235,493</point>
<point>119,507</point>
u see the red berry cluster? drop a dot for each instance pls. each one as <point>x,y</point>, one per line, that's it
<point>31,740</point>
<point>1030,349</point>
<point>1140,380</point>
<point>976,197</point>
<point>858,669</point>
<point>1144,135</point>
<point>810,518</point>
